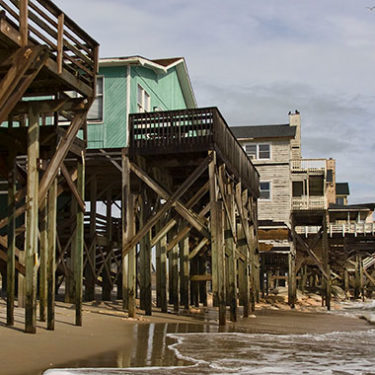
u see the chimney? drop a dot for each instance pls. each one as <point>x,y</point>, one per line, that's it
<point>295,120</point>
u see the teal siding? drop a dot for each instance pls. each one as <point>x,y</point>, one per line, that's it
<point>112,131</point>
<point>164,90</point>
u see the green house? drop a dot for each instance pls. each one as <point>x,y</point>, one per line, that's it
<point>135,84</point>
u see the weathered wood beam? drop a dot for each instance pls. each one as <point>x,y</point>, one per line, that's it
<point>11,274</point>
<point>51,264</point>
<point>73,188</point>
<point>171,201</point>
<point>62,150</point>
<point>187,214</point>
<point>31,236</point>
<point>79,245</point>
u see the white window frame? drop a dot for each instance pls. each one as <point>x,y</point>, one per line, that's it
<point>144,104</point>
<point>270,190</point>
<point>97,96</point>
<point>257,152</point>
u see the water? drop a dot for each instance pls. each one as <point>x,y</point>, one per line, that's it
<point>199,349</point>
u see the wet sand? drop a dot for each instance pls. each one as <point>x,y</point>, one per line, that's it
<point>109,338</point>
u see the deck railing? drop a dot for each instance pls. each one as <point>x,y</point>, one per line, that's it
<point>306,165</point>
<point>341,229</point>
<point>309,203</point>
<point>42,22</point>
<point>191,130</point>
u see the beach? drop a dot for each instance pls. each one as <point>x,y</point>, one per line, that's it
<point>109,339</point>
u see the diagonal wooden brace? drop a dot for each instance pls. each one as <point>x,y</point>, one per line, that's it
<point>60,154</point>
<point>187,214</point>
<point>172,200</point>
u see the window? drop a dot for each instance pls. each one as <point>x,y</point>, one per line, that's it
<point>96,110</point>
<point>340,201</point>
<point>329,175</point>
<point>264,151</point>
<point>251,150</point>
<point>265,190</point>
<point>143,100</point>
<point>260,151</point>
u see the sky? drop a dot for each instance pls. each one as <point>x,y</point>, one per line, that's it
<point>256,60</point>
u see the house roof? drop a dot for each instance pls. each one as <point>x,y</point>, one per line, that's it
<point>159,66</point>
<point>264,131</point>
<point>342,188</point>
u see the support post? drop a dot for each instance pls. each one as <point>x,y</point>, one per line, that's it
<point>231,251</point>
<point>106,273</point>
<point>327,282</point>
<point>128,228</point>
<point>292,287</point>
<point>31,237</point>
<point>43,261</point>
<point>11,271</point>
<point>184,272</point>
<point>175,277</point>
<point>52,209</point>
<point>243,271</point>
<point>163,275</point>
<point>79,240</point>
<point>91,264</point>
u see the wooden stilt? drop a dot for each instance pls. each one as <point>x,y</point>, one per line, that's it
<point>106,273</point>
<point>128,229</point>
<point>346,283</point>
<point>52,209</point>
<point>21,297</point>
<point>292,287</point>
<point>158,269</point>
<point>202,270</point>
<point>163,275</point>
<point>184,272</point>
<point>326,265</point>
<point>243,272</point>
<point>218,251</point>
<point>231,251</point>
<point>213,225</point>
<point>175,278</point>
<point>11,270</point>
<point>145,263</point>
<point>79,241</point>
<point>31,237</point>
<point>91,264</point>
<point>43,249</point>
<point>69,277</point>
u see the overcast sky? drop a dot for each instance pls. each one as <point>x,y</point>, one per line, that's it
<point>258,59</point>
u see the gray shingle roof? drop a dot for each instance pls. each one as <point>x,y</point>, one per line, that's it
<point>264,131</point>
<point>342,188</point>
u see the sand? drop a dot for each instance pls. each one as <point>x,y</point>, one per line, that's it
<point>106,329</point>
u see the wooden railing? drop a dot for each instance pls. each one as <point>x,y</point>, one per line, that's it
<point>309,203</point>
<point>308,165</point>
<point>42,22</point>
<point>191,130</point>
<point>341,229</point>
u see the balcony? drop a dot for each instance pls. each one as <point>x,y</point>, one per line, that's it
<point>308,165</point>
<point>309,203</point>
<point>191,131</point>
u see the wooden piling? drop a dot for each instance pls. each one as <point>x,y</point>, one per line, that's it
<point>243,271</point>
<point>31,236</point>
<point>128,229</point>
<point>184,272</point>
<point>79,241</point>
<point>11,271</point>
<point>43,250</point>
<point>163,274</point>
<point>51,255</point>
<point>106,272</point>
<point>325,248</point>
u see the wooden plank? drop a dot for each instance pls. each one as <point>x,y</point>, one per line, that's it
<point>60,42</point>
<point>73,188</point>
<point>79,241</point>
<point>31,236</point>
<point>24,22</point>
<point>203,242</point>
<point>52,211</point>
<point>205,277</point>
